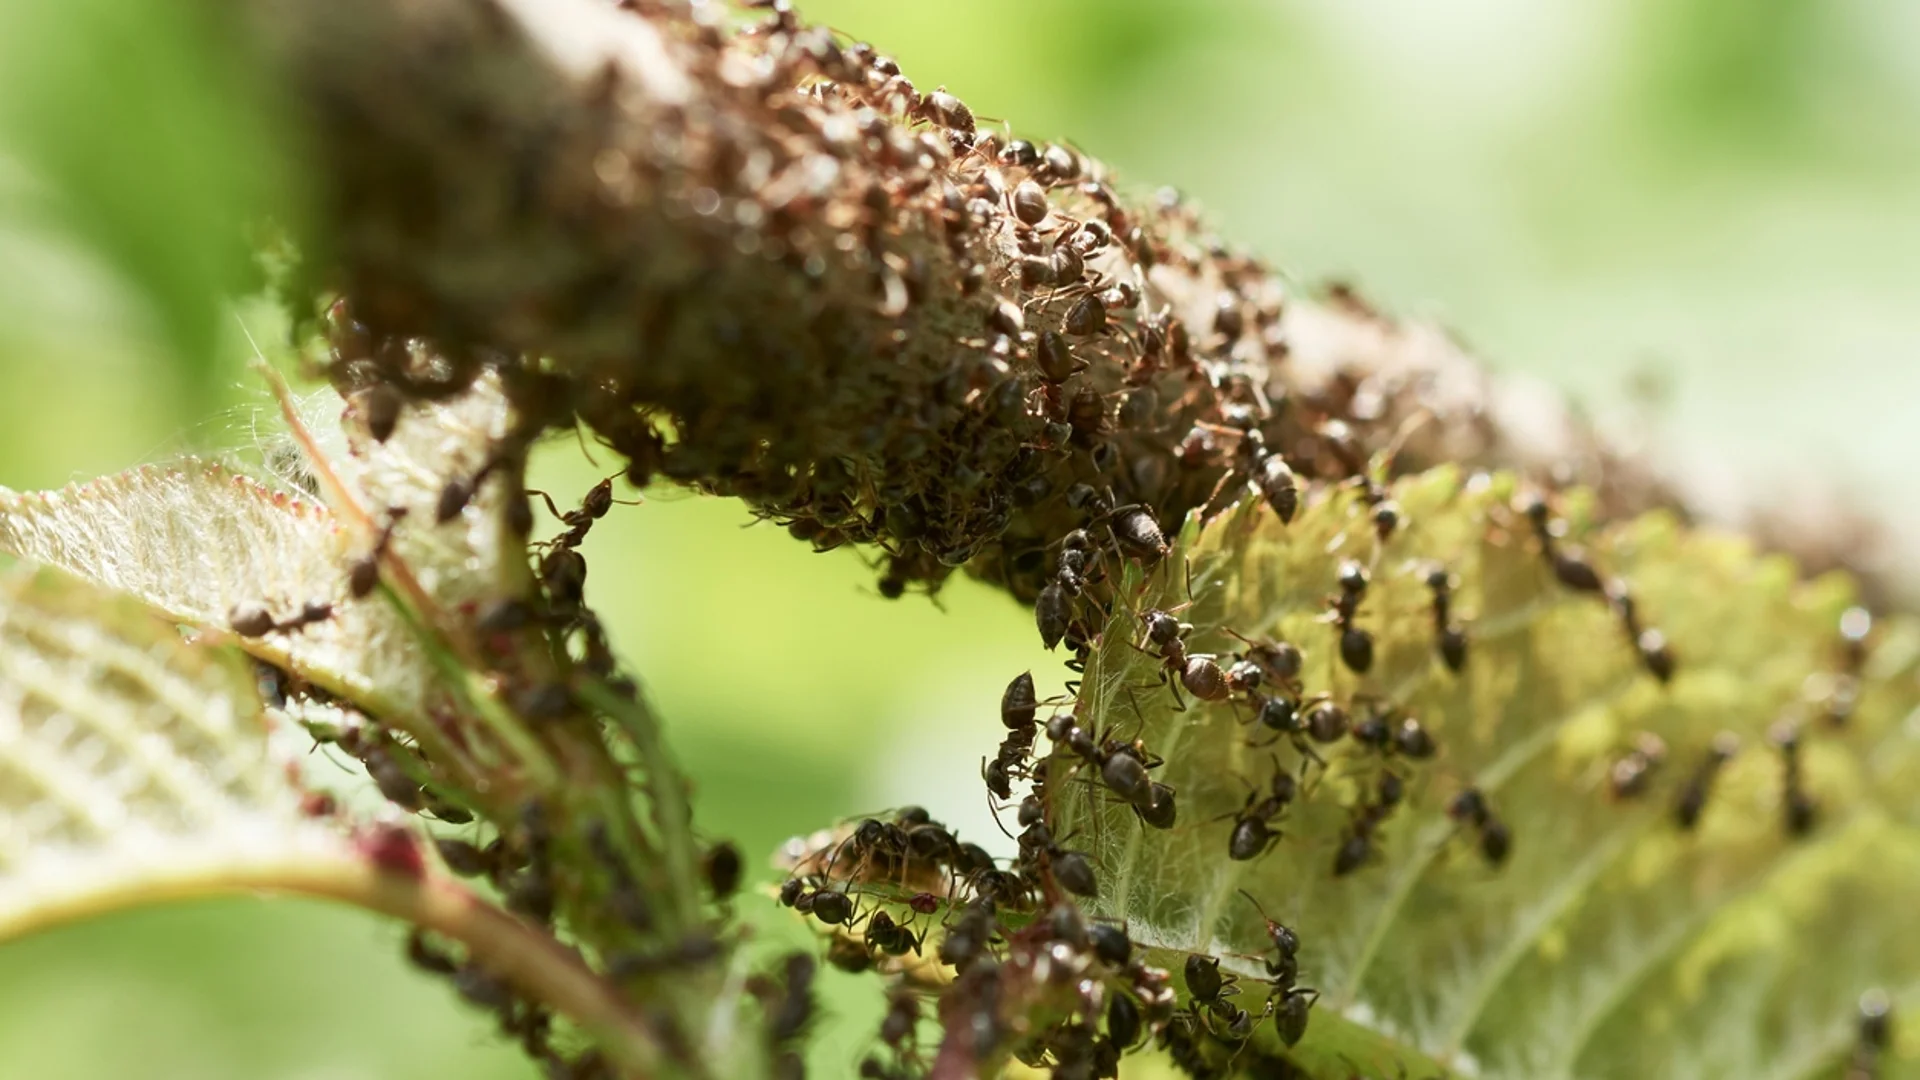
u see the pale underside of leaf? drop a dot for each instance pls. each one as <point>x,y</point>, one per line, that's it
<point>1611,943</point>
<point>195,540</point>
<point>133,764</point>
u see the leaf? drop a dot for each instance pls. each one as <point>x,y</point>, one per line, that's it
<point>195,540</point>
<point>1611,942</point>
<point>134,765</point>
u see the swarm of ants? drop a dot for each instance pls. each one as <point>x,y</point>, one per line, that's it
<point>1102,374</point>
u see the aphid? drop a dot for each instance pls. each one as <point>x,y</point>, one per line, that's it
<point>1692,799</point>
<point>1356,644</point>
<point>1413,740</point>
<point>379,405</point>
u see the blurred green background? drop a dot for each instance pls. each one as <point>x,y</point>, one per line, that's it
<point>1711,203</point>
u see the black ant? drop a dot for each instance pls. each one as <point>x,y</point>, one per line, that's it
<point>1798,807</point>
<point>1287,1003</point>
<point>1856,624</point>
<point>1356,644</point>
<point>1356,849</point>
<point>1692,799</point>
<point>1449,638</point>
<point>1873,1035</point>
<point>1279,662</point>
<point>1252,837</point>
<point>1135,532</point>
<point>1200,673</point>
<point>1629,774</point>
<point>1470,808</point>
<point>1206,984</point>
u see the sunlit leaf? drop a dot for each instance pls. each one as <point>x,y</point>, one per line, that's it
<point>1611,942</point>
<point>197,541</point>
<point>134,765</point>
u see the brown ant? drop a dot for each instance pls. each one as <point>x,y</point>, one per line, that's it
<point>1692,799</point>
<point>252,619</point>
<point>1470,807</point>
<point>1356,644</point>
<point>363,576</point>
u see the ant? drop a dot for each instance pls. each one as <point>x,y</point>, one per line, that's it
<point>1693,794</point>
<point>1279,661</point>
<point>1287,1002</point>
<point>1200,673</point>
<point>1449,638</point>
<point>252,619</point>
<point>1874,1034</point>
<point>1356,645</point>
<point>1470,808</point>
<point>1630,773</point>
<point>1135,532</point>
<point>364,574</point>
<point>1570,566</point>
<point>1356,850</point>
<point>1251,836</point>
<point>1799,808</point>
<point>1017,705</point>
<point>594,506</point>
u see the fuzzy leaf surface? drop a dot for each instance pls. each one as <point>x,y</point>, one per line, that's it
<point>1612,942</point>
<point>134,765</point>
<point>195,539</point>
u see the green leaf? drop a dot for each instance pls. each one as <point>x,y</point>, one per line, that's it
<point>1611,942</point>
<point>134,765</point>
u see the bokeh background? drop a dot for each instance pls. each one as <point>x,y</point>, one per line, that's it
<point>1706,212</point>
